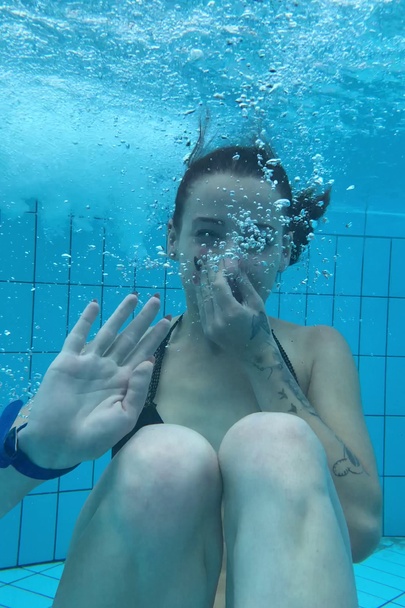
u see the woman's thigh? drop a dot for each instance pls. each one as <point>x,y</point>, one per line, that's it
<point>158,502</point>
<point>166,454</point>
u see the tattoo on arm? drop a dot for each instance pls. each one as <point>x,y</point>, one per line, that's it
<point>259,322</point>
<point>342,467</point>
<point>348,464</point>
<point>290,382</point>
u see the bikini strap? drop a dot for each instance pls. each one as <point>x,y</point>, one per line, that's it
<point>285,357</point>
<point>159,354</point>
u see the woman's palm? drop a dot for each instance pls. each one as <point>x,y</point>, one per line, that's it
<point>92,395</point>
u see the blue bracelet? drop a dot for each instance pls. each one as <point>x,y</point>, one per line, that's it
<point>11,455</point>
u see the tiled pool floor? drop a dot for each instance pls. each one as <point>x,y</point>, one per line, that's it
<point>380,580</point>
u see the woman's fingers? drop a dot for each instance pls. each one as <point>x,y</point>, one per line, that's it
<point>76,339</point>
<point>149,344</point>
<point>108,332</point>
<point>138,387</point>
<point>107,342</point>
<point>128,340</point>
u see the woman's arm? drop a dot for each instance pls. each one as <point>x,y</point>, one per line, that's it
<point>332,408</point>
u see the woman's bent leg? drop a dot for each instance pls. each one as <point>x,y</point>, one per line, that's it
<point>287,540</point>
<point>150,533</point>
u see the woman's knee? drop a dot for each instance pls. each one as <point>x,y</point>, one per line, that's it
<point>165,467</point>
<point>271,444</point>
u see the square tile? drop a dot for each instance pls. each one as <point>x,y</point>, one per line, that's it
<point>372,381</point>
<point>272,304</point>
<point>13,597</point>
<point>118,268</point>
<point>46,487</point>
<point>376,266</point>
<point>38,528</point>
<point>175,302</point>
<point>347,221</point>
<point>346,319</point>
<point>323,262</point>
<point>39,583</point>
<point>172,276</point>
<point>370,574</point>
<point>11,575</point>
<point>349,266</point>
<point>394,500</point>
<point>293,308</point>
<point>394,446</point>
<point>50,317</point>
<point>373,328</point>
<point>375,427</point>
<point>14,378</point>
<point>395,337</point>
<point>87,251</point>
<point>16,305</point>
<point>295,278</point>
<point>397,283</point>
<point>17,246</point>
<point>149,274</point>
<point>54,569</point>
<point>319,310</point>
<point>9,540</point>
<point>381,223</point>
<point>70,505</point>
<point>53,257</point>
<point>395,385</point>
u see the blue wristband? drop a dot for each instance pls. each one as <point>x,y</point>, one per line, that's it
<point>11,455</point>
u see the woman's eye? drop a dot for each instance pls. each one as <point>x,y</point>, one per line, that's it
<point>263,239</point>
<point>207,233</point>
<point>247,241</point>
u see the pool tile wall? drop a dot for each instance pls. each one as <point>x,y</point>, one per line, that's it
<point>352,278</point>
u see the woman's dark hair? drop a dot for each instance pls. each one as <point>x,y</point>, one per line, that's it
<point>256,161</point>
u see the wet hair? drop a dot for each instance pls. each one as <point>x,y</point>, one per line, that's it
<point>257,161</point>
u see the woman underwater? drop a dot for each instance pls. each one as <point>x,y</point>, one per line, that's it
<point>248,476</point>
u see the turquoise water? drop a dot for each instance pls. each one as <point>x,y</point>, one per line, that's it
<point>100,105</point>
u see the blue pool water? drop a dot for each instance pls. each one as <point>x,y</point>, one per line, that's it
<point>100,104</point>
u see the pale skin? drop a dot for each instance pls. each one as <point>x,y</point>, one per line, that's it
<point>282,473</point>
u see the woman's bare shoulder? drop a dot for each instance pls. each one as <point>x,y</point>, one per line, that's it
<point>290,331</point>
<point>303,339</point>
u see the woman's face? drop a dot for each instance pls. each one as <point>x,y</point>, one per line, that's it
<point>233,218</point>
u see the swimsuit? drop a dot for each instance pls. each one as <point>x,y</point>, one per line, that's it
<point>149,414</point>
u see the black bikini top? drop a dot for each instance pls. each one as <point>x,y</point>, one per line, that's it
<point>149,413</point>
<point>160,353</point>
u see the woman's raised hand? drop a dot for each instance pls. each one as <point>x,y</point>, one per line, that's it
<point>92,394</point>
